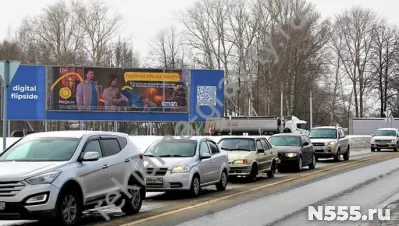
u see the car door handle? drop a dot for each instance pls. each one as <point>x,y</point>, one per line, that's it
<point>127,160</point>
<point>105,166</point>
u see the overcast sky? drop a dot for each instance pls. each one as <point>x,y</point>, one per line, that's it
<point>143,19</point>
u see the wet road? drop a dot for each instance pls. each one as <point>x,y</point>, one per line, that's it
<point>366,187</point>
<point>157,201</point>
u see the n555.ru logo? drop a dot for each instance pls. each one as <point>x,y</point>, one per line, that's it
<point>344,213</point>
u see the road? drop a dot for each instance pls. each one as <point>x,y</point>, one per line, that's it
<point>246,202</point>
<point>366,187</point>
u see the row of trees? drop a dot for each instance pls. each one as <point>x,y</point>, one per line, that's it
<point>265,46</point>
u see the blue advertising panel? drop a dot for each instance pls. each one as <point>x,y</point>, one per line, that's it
<point>206,94</point>
<point>117,116</point>
<point>27,94</point>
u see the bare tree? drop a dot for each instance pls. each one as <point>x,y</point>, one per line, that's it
<point>99,28</point>
<point>355,26</point>
<point>166,49</point>
<point>123,54</point>
<point>384,51</point>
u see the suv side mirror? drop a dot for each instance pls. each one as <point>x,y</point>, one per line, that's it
<point>205,156</point>
<point>90,156</point>
<point>372,135</point>
<point>261,151</point>
<point>305,144</point>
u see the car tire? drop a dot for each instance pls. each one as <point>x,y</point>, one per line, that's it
<point>347,154</point>
<point>69,202</point>
<point>337,157</point>
<point>254,173</point>
<point>272,171</point>
<point>195,187</point>
<point>313,164</point>
<point>395,149</point>
<point>132,205</point>
<point>372,150</point>
<point>222,185</point>
<point>299,164</point>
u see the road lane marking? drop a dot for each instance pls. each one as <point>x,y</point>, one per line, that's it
<point>255,189</point>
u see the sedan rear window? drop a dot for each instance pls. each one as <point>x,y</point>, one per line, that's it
<point>41,149</point>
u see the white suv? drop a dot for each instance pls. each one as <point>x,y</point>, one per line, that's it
<point>58,175</point>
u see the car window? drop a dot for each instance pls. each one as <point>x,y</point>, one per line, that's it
<point>122,142</point>
<point>110,147</point>
<point>93,146</point>
<point>42,149</point>
<point>259,145</point>
<point>171,148</point>
<point>204,148</point>
<point>214,148</point>
<point>323,133</point>
<point>286,140</point>
<point>228,144</point>
<point>265,144</point>
<point>383,132</point>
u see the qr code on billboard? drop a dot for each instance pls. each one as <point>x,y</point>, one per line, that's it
<point>206,95</point>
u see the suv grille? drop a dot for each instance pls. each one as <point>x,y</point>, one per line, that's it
<point>318,144</point>
<point>156,172</point>
<point>10,188</point>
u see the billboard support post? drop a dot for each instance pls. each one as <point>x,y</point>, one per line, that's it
<point>5,75</point>
<point>115,126</point>
<point>7,72</point>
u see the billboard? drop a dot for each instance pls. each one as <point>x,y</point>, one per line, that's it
<point>26,99</point>
<point>206,94</point>
<point>97,89</point>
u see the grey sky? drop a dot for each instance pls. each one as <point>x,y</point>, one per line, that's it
<point>143,19</point>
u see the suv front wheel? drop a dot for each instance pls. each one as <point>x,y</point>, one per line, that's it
<point>69,208</point>
<point>133,202</point>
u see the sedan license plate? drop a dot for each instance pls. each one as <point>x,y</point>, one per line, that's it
<point>152,180</point>
<point>2,205</point>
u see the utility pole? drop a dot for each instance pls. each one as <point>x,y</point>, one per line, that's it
<point>282,109</point>
<point>311,109</point>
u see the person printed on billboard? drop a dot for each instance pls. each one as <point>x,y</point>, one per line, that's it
<point>87,93</point>
<point>147,104</point>
<point>138,101</point>
<point>179,95</point>
<point>113,100</point>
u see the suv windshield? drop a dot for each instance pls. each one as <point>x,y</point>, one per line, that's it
<point>41,149</point>
<point>246,144</point>
<point>285,141</point>
<point>386,133</point>
<point>323,133</point>
<point>172,149</point>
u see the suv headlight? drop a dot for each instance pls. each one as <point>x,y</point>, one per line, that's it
<point>331,144</point>
<point>181,169</point>
<point>393,141</point>
<point>46,178</point>
<point>291,155</point>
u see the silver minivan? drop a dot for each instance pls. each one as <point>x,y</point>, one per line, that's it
<point>185,164</point>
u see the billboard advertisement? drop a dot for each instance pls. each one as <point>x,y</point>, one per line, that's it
<point>26,99</point>
<point>206,94</point>
<point>118,90</point>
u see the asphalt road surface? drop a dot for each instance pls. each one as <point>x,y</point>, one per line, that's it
<point>288,207</point>
<point>366,187</point>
